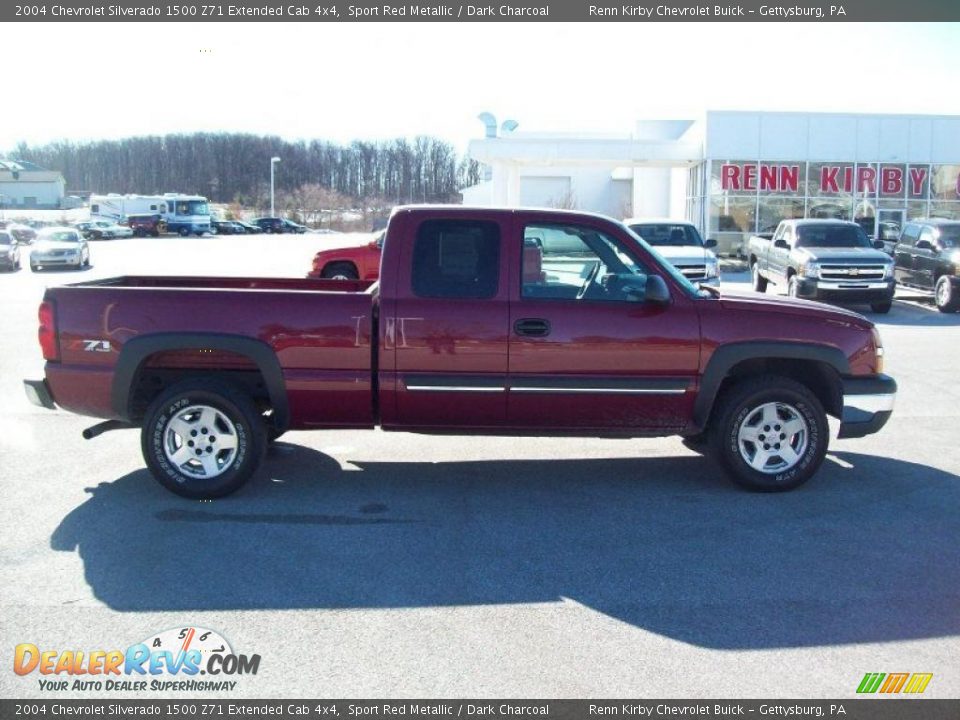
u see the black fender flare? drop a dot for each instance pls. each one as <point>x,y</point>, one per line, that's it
<point>136,350</point>
<point>726,357</point>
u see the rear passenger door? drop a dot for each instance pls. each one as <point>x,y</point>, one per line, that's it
<point>903,254</point>
<point>447,327</point>
<point>584,353</point>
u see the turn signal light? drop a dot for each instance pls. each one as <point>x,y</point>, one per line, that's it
<point>48,331</point>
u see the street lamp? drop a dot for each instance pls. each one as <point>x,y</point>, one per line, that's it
<point>273,161</point>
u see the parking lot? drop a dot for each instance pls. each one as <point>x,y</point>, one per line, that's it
<point>373,564</point>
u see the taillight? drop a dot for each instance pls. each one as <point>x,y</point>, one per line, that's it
<point>48,331</point>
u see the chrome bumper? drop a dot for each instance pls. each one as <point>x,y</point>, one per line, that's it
<point>867,405</point>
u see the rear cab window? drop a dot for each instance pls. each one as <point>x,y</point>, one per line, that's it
<point>457,259</point>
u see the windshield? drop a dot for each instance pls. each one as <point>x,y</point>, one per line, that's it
<point>950,236</point>
<point>61,236</point>
<point>192,207</point>
<point>832,236</point>
<point>668,268</point>
<point>668,234</point>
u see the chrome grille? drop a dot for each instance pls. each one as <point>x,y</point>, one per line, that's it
<point>852,273</point>
<point>693,272</point>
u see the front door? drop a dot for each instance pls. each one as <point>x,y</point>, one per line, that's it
<point>447,327</point>
<point>584,352</point>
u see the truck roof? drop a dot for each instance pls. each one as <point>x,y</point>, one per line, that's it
<point>476,209</point>
<point>819,221</point>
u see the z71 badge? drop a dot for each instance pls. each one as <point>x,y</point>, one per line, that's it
<point>96,345</point>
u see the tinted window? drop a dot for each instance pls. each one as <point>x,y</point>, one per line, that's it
<point>668,234</point>
<point>950,236</point>
<point>565,262</point>
<point>910,235</point>
<point>456,259</point>
<point>831,236</point>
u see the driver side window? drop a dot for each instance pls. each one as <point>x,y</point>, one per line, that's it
<point>565,262</point>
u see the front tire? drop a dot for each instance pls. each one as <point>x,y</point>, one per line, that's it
<point>770,433</point>
<point>793,286</point>
<point>203,439</point>
<point>340,271</point>
<point>184,232</point>
<point>946,297</point>
<point>759,282</point>
<point>882,308</point>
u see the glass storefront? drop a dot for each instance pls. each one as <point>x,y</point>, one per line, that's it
<point>733,199</point>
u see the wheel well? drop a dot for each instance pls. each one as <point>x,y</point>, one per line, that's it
<point>163,369</point>
<point>791,272</point>
<point>753,260</point>
<point>333,263</point>
<point>822,379</point>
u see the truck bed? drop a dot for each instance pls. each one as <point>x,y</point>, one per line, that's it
<point>319,331</point>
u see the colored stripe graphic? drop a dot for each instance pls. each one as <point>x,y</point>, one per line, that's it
<point>870,682</point>
<point>894,682</point>
<point>918,682</point>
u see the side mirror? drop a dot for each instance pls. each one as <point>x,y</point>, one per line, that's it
<point>647,288</point>
<point>711,243</point>
<point>924,245</point>
<point>781,243</point>
<point>878,244</point>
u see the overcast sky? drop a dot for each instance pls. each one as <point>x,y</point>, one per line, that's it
<point>368,81</point>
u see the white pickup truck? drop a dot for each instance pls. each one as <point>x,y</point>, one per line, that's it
<point>680,244</point>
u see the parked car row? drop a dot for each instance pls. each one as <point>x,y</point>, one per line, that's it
<point>834,260</point>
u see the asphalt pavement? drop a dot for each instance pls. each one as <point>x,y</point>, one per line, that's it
<point>361,564</point>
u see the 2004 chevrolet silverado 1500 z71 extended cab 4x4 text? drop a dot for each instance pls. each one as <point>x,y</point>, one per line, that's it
<point>484,321</point>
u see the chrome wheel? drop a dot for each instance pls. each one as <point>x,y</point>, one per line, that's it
<point>773,437</point>
<point>943,292</point>
<point>201,441</point>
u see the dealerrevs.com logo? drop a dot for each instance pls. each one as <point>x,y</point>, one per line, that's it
<point>168,661</point>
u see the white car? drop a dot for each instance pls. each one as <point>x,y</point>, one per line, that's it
<point>681,245</point>
<point>103,230</point>
<point>59,247</point>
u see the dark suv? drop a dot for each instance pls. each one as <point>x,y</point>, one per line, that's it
<point>927,257</point>
<point>270,224</point>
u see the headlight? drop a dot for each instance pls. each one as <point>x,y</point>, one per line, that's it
<point>712,269</point>
<point>810,269</point>
<point>888,270</point>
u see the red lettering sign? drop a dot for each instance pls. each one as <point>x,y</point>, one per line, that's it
<point>749,177</point>
<point>917,176</point>
<point>891,181</point>
<point>730,177</point>
<point>828,179</point>
<point>768,177</point>
<point>789,178</point>
<point>866,179</point>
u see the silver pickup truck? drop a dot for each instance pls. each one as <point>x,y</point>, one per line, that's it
<point>828,260</point>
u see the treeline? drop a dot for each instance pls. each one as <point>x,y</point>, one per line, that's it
<point>235,167</point>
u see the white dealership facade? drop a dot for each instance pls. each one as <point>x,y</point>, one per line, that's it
<point>734,173</point>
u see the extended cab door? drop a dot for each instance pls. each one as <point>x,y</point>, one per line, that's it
<point>443,321</point>
<point>778,257</point>
<point>584,351</point>
<point>903,254</point>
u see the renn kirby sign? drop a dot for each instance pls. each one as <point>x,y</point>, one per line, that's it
<point>888,180</point>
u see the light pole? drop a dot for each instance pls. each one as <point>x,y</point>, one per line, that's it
<point>273,161</point>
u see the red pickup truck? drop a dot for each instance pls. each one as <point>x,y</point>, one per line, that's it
<point>484,321</point>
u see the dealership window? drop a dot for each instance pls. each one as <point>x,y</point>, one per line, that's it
<point>945,182</point>
<point>948,210</point>
<point>733,213</point>
<point>456,259</point>
<point>771,210</point>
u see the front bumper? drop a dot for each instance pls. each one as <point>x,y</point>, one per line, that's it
<point>852,291</point>
<point>38,393</point>
<point>867,404</point>
<point>49,260</point>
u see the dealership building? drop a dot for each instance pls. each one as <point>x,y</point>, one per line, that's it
<point>734,173</point>
<point>24,185</point>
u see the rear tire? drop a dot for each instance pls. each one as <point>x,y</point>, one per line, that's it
<point>177,445</point>
<point>882,307</point>
<point>340,271</point>
<point>946,297</point>
<point>759,282</point>
<point>184,232</point>
<point>770,433</point>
